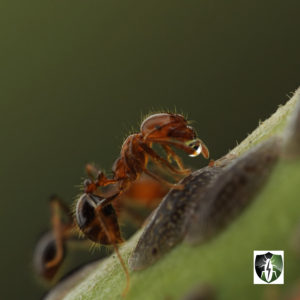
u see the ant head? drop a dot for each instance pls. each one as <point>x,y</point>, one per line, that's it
<point>98,223</point>
<point>166,125</point>
<point>45,252</point>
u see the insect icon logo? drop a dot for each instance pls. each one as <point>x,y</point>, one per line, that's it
<point>268,267</point>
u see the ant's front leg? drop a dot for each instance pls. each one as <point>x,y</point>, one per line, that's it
<point>163,181</point>
<point>177,159</point>
<point>91,186</point>
<point>162,161</point>
<point>193,147</point>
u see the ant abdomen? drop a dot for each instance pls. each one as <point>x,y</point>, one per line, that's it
<point>91,218</point>
<point>44,253</point>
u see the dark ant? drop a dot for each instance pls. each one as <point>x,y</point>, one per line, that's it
<point>51,247</point>
<point>96,212</point>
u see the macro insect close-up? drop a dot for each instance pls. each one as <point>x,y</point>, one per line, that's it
<point>150,150</point>
<point>95,211</point>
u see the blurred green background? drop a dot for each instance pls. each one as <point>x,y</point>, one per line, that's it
<point>75,76</point>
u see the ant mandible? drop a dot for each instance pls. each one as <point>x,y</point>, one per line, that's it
<point>95,212</point>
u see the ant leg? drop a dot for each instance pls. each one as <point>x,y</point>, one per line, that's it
<point>61,230</point>
<point>171,153</point>
<point>161,160</point>
<point>159,179</point>
<point>102,180</point>
<point>97,175</point>
<point>183,146</point>
<point>92,186</point>
<point>171,156</point>
<point>108,234</point>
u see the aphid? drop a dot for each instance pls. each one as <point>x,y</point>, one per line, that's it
<point>168,225</point>
<point>95,214</point>
<point>211,199</point>
<point>233,190</point>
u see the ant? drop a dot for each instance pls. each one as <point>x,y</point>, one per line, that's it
<point>51,247</point>
<point>96,212</point>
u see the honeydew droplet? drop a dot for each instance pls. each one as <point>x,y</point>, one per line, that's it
<point>198,150</point>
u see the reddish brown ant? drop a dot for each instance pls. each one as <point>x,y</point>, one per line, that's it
<point>95,211</point>
<point>95,214</point>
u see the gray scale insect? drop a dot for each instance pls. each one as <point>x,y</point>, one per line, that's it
<point>167,226</point>
<point>233,190</point>
<point>211,199</point>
